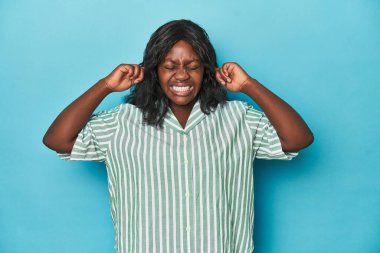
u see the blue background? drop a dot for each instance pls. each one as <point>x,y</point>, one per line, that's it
<point>322,57</point>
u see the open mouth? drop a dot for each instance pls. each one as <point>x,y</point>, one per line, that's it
<point>181,90</point>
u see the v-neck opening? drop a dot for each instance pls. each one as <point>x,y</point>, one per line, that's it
<point>196,115</point>
<point>187,120</point>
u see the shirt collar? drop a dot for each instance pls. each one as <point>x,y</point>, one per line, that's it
<point>196,116</point>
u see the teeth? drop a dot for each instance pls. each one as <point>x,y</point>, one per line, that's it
<point>181,88</point>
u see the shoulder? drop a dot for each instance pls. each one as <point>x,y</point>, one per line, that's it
<point>126,107</point>
<point>231,111</point>
<point>129,113</point>
<point>235,106</point>
<point>241,110</point>
<point>114,113</point>
<point>117,110</point>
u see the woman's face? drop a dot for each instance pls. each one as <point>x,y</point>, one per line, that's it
<point>181,74</point>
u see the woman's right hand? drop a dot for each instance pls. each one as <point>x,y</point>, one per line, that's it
<point>124,77</point>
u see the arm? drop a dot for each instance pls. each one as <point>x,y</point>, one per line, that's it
<point>292,130</point>
<point>63,132</point>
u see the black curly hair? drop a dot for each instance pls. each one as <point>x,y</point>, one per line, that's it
<point>149,96</point>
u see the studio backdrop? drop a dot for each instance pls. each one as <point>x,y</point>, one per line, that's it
<point>320,56</point>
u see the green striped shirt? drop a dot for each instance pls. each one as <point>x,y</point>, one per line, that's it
<point>180,190</point>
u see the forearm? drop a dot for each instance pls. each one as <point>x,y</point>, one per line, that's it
<point>292,130</point>
<point>63,132</point>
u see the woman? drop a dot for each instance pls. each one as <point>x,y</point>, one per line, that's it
<point>178,154</point>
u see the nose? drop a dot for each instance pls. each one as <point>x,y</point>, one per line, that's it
<point>181,74</point>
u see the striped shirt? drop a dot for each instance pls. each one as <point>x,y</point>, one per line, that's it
<point>180,190</point>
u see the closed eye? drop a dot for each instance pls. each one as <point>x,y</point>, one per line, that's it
<point>189,68</point>
<point>194,68</point>
<point>169,67</point>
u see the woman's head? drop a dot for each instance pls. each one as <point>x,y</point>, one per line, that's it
<point>180,75</point>
<point>179,53</point>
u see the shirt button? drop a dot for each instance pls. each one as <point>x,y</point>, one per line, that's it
<point>187,194</point>
<point>185,138</point>
<point>188,229</point>
<point>186,161</point>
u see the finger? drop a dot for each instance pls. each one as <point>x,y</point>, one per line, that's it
<point>224,73</point>
<point>225,69</point>
<point>229,69</point>
<point>136,71</point>
<point>224,77</point>
<point>132,72</point>
<point>140,77</point>
<point>127,70</point>
<point>219,78</point>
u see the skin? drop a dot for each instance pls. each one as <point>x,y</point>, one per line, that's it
<point>63,132</point>
<point>181,66</point>
<point>292,130</point>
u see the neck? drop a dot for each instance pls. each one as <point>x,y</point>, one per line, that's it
<point>182,112</point>
<point>182,108</point>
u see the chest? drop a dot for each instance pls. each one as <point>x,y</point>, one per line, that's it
<point>212,142</point>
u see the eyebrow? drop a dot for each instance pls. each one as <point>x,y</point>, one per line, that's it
<point>186,62</point>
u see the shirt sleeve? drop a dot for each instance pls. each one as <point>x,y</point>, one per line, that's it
<point>266,142</point>
<point>94,139</point>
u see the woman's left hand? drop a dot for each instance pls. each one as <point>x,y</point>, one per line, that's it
<point>232,76</point>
